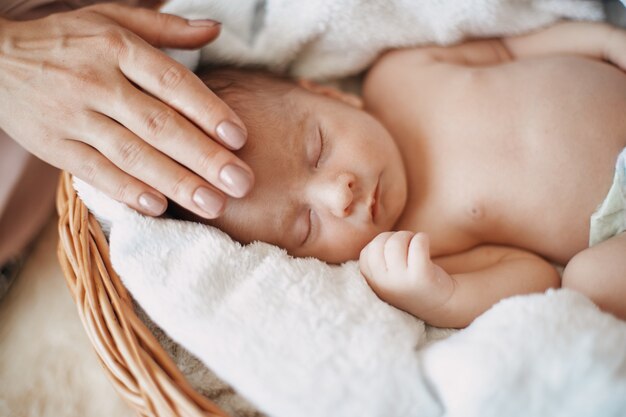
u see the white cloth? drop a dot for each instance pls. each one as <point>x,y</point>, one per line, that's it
<point>610,217</point>
<point>298,337</point>
<point>331,39</point>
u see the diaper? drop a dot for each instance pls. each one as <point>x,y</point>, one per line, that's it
<point>610,217</point>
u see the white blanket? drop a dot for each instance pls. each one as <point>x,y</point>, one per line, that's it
<point>301,338</point>
<point>332,38</point>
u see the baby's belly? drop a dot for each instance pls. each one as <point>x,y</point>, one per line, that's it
<point>543,163</point>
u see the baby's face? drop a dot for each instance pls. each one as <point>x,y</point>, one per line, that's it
<point>329,178</point>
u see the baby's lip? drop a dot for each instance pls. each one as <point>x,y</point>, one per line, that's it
<point>373,201</point>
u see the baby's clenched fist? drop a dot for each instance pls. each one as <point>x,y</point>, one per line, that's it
<point>398,267</point>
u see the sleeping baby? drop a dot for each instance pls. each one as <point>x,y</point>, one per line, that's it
<point>458,179</point>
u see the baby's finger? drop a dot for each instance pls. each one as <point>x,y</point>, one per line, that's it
<point>419,252</point>
<point>397,248</point>
<point>183,91</point>
<point>364,264</point>
<point>138,159</point>
<point>179,139</point>
<point>376,253</point>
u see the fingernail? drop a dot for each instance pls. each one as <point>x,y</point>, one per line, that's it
<point>208,201</point>
<point>206,23</point>
<point>152,204</point>
<point>236,179</point>
<point>231,134</point>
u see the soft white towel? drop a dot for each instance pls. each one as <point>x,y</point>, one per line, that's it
<point>552,354</point>
<point>331,39</point>
<point>297,337</point>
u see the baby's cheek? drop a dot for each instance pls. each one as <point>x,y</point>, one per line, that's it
<point>347,246</point>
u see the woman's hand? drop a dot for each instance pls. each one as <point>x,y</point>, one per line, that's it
<point>86,92</point>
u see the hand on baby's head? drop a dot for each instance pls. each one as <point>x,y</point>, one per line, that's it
<point>329,177</point>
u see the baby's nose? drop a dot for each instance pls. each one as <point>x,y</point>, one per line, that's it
<point>339,196</point>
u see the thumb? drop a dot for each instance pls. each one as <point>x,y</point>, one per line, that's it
<point>161,29</point>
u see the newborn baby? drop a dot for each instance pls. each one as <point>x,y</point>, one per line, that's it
<point>492,159</point>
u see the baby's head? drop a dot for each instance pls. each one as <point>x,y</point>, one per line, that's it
<point>328,176</point>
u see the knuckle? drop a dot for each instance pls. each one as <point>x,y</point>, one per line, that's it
<point>172,77</point>
<point>391,238</point>
<point>419,237</point>
<point>88,171</point>
<point>213,109</point>
<point>130,153</point>
<point>182,187</point>
<point>211,159</point>
<point>209,114</point>
<point>157,122</point>
<point>382,237</point>
<point>122,191</point>
<point>364,272</point>
<point>115,39</point>
<point>165,21</point>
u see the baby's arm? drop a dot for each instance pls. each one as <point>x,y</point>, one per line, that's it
<point>593,40</point>
<point>453,290</point>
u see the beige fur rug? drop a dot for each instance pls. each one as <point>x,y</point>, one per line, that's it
<point>47,365</point>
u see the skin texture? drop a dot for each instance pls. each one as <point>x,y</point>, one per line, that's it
<point>510,145</point>
<point>88,92</point>
<point>506,148</point>
<point>316,173</point>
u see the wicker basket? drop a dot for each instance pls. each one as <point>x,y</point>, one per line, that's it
<point>136,364</point>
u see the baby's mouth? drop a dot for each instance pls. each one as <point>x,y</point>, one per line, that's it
<point>373,204</point>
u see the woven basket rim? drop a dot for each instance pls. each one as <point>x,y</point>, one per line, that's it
<point>136,364</point>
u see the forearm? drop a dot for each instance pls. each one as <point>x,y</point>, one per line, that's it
<point>476,291</point>
<point>590,39</point>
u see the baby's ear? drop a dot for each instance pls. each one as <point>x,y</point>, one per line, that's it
<point>328,91</point>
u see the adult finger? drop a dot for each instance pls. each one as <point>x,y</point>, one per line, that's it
<point>176,137</point>
<point>140,160</point>
<point>376,253</point>
<point>160,29</point>
<point>93,168</point>
<point>182,90</point>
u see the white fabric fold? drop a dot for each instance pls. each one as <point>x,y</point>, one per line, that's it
<point>297,337</point>
<point>331,39</point>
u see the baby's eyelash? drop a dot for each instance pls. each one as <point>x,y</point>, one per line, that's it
<point>322,147</point>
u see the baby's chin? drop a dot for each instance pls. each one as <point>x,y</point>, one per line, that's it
<point>335,257</point>
<point>346,251</point>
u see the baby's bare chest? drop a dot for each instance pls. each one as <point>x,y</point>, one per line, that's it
<point>525,165</point>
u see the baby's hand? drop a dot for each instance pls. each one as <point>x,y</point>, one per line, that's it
<point>398,267</point>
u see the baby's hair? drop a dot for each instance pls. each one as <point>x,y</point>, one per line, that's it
<point>258,98</point>
<point>245,89</point>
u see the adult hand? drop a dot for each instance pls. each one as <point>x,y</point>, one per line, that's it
<point>88,92</point>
